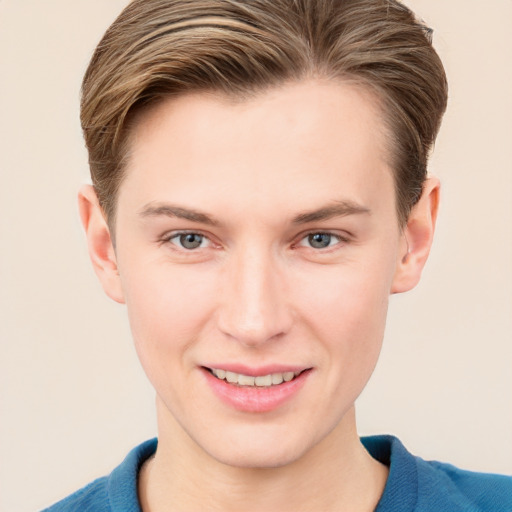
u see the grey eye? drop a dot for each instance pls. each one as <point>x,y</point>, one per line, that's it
<point>319,240</point>
<point>191,240</point>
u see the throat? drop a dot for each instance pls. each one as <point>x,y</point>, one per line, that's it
<point>334,474</point>
<point>294,487</point>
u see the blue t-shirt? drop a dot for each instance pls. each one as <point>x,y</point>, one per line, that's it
<point>413,485</point>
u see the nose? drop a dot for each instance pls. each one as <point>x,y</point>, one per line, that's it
<point>254,304</point>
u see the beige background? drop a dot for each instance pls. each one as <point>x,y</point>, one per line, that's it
<point>73,399</point>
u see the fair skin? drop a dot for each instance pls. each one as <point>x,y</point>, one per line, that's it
<point>260,236</point>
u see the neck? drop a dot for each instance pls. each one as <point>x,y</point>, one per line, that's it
<point>336,474</point>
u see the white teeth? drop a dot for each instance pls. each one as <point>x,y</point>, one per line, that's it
<point>266,380</point>
<point>221,374</point>
<point>245,380</point>
<point>232,377</point>
<point>277,378</point>
<point>273,379</point>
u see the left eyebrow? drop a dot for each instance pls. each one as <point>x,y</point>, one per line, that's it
<point>338,209</point>
<point>169,210</point>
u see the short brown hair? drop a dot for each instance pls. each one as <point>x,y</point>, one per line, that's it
<point>159,48</point>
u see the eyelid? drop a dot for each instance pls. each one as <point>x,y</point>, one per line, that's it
<point>168,236</point>
<point>343,238</point>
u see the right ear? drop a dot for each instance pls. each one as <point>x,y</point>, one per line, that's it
<point>99,242</point>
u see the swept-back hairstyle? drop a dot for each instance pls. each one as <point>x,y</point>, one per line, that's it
<point>158,49</point>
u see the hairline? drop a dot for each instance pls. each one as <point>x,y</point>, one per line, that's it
<point>370,92</point>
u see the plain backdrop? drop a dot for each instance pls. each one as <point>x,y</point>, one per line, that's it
<point>73,399</point>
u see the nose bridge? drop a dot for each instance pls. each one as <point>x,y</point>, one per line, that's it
<point>254,308</point>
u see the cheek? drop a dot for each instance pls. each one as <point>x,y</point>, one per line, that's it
<point>351,295</point>
<point>167,309</point>
<point>346,308</point>
<point>344,312</point>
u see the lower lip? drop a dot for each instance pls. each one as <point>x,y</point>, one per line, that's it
<point>256,399</point>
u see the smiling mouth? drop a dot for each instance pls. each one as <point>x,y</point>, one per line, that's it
<point>262,381</point>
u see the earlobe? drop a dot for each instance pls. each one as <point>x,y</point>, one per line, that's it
<point>417,238</point>
<point>99,242</point>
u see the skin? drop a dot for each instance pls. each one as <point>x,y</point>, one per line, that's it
<point>256,292</point>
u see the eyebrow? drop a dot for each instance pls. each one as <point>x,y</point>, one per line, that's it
<point>169,210</point>
<point>338,209</point>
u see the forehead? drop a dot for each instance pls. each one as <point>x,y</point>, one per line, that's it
<point>304,141</point>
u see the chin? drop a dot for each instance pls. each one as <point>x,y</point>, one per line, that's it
<point>258,451</point>
<point>257,459</point>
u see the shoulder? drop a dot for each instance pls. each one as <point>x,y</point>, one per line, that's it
<point>114,493</point>
<point>415,484</point>
<point>468,490</point>
<point>92,497</point>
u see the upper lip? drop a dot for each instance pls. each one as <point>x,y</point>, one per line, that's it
<point>257,371</point>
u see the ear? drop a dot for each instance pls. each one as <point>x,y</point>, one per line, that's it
<point>100,244</point>
<point>417,238</point>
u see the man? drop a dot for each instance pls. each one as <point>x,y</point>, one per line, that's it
<point>260,189</point>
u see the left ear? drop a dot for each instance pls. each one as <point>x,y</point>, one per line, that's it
<point>417,238</point>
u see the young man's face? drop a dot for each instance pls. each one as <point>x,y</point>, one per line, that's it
<point>259,238</point>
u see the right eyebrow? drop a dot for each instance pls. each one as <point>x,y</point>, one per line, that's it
<point>338,209</point>
<point>169,210</point>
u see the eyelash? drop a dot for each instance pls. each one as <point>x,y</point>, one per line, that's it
<point>178,234</point>
<point>341,240</point>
